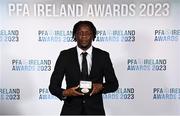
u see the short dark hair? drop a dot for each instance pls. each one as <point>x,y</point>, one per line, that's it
<point>80,23</point>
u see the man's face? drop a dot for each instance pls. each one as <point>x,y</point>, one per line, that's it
<point>84,37</point>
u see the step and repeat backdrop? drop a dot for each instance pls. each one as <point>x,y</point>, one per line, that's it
<point>142,37</point>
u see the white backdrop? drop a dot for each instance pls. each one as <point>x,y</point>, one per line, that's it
<point>142,37</point>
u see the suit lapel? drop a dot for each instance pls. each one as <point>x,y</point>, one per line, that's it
<point>93,61</point>
<point>76,62</point>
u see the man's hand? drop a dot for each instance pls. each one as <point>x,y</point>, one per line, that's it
<point>72,92</point>
<point>97,87</point>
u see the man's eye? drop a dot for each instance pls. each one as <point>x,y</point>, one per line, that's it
<point>84,33</point>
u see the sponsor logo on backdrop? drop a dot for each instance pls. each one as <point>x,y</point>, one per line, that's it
<point>52,36</point>
<point>146,64</point>
<point>166,35</point>
<point>166,93</point>
<point>115,36</point>
<point>10,94</point>
<point>31,65</point>
<point>44,94</point>
<point>9,35</point>
<point>121,93</point>
<point>55,36</point>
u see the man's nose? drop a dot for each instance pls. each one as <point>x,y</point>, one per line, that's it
<point>84,34</point>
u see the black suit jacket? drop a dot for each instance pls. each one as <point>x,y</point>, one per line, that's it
<point>67,66</point>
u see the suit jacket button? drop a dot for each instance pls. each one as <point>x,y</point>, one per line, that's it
<point>83,101</point>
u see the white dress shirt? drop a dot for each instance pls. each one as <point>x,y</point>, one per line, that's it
<point>88,57</point>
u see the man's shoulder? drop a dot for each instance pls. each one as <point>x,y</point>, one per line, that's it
<point>100,51</point>
<point>95,50</point>
<point>69,50</point>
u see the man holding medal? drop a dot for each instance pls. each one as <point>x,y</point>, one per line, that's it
<point>88,73</point>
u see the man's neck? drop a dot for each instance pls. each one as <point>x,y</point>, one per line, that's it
<point>84,48</point>
<point>89,50</point>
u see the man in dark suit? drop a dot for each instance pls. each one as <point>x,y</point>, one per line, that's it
<point>94,67</point>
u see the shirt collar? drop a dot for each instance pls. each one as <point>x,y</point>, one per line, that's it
<point>89,50</point>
